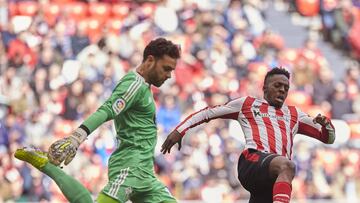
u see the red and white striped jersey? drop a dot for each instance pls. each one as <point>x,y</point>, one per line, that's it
<point>266,128</point>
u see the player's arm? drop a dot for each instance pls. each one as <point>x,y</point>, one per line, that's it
<point>229,110</point>
<point>64,150</point>
<point>319,127</point>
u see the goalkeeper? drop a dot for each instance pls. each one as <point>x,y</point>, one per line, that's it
<point>131,106</point>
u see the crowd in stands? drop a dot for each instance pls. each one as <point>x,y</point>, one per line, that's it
<point>59,66</point>
<point>340,21</point>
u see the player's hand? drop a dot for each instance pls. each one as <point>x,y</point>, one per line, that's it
<point>322,120</point>
<point>173,138</point>
<point>64,150</point>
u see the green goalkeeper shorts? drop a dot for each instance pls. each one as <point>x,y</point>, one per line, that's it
<point>138,186</point>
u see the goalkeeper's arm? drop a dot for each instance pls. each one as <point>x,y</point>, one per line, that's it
<point>64,150</point>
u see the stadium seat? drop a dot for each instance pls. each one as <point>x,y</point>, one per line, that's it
<point>120,10</point>
<point>114,25</point>
<point>299,98</point>
<point>259,67</point>
<point>314,110</point>
<point>148,9</point>
<point>62,128</point>
<point>288,55</point>
<point>269,39</point>
<point>99,10</point>
<point>62,2</point>
<point>93,27</point>
<point>355,129</point>
<point>27,8</point>
<point>308,7</point>
<point>51,12</point>
<point>76,10</point>
<point>12,9</point>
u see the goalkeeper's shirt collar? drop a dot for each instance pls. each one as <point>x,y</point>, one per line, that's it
<point>141,77</point>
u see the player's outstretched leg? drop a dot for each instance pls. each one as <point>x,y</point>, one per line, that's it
<point>71,188</point>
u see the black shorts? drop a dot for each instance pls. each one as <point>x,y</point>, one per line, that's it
<point>254,175</point>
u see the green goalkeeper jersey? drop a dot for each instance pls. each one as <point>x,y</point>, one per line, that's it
<point>131,106</point>
<point>131,165</point>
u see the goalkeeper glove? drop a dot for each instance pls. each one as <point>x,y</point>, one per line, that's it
<point>64,150</point>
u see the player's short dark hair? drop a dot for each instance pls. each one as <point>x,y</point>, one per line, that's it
<point>276,71</point>
<point>160,47</point>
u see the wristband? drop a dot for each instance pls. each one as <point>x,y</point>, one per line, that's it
<point>79,135</point>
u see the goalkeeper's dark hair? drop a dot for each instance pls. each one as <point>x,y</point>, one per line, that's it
<point>276,71</point>
<point>160,47</point>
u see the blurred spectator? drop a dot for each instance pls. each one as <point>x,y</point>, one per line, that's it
<point>73,101</point>
<point>253,11</point>
<point>323,86</point>
<point>344,18</point>
<point>168,115</point>
<point>7,34</point>
<point>79,40</point>
<point>341,22</point>
<point>340,102</point>
<point>5,186</point>
<point>352,80</point>
<point>303,74</point>
<point>19,54</point>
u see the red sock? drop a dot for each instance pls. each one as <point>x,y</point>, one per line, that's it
<point>282,192</point>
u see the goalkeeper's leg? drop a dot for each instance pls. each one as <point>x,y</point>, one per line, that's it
<point>74,191</point>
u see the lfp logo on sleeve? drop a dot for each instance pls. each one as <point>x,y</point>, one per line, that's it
<point>118,106</point>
